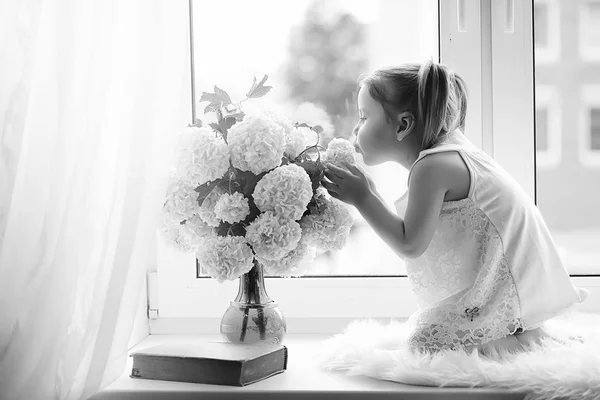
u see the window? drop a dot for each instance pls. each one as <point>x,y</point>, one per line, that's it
<point>589,30</point>
<point>594,140</point>
<point>547,31</point>
<point>589,137</point>
<point>541,130</point>
<point>547,128</point>
<point>569,111</point>
<point>490,45</point>
<point>313,64</point>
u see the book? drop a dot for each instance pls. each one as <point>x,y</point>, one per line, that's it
<point>215,363</point>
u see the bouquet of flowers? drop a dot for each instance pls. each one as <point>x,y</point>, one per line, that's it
<point>248,189</point>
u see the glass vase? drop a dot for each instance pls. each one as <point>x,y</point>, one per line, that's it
<point>253,317</point>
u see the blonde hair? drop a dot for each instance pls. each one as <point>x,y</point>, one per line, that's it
<point>431,91</point>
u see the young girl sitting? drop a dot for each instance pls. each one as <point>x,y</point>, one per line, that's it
<point>478,253</point>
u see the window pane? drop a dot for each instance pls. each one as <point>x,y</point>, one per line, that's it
<point>591,24</point>
<point>541,129</point>
<point>541,24</point>
<point>567,194</point>
<point>313,52</point>
<point>595,129</point>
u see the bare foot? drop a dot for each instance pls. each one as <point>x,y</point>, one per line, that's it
<point>535,337</point>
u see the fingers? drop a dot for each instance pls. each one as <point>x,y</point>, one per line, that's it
<point>335,170</point>
<point>354,169</point>
<point>330,186</point>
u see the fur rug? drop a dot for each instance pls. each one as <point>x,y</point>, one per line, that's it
<point>549,370</point>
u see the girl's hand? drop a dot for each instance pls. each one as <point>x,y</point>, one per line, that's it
<point>349,185</point>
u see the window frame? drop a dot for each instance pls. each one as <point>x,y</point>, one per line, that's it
<point>586,52</point>
<point>590,99</point>
<point>546,97</point>
<point>493,35</point>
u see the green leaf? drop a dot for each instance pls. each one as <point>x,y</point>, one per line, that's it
<point>301,125</point>
<point>210,97</point>
<point>258,89</point>
<point>198,123</point>
<point>212,107</point>
<point>204,190</point>
<point>239,116</point>
<point>263,80</point>
<point>216,127</point>
<point>227,229</point>
<point>223,96</point>
<point>249,182</point>
<point>216,100</point>
<point>317,128</point>
<point>260,92</point>
<point>252,88</point>
<point>314,171</point>
<point>225,124</point>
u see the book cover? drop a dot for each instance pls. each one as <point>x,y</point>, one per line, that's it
<point>216,363</point>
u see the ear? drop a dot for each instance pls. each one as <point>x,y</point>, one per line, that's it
<point>405,125</point>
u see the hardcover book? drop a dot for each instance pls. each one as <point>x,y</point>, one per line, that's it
<point>216,363</point>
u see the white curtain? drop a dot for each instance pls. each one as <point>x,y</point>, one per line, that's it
<point>91,94</point>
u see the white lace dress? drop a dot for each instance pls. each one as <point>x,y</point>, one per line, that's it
<point>491,268</point>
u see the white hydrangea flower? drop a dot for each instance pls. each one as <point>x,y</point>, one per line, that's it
<point>187,236</point>
<point>207,210</point>
<point>202,155</point>
<point>256,144</point>
<point>272,236</point>
<point>339,151</point>
<point>225,257</point>
<point>198,229</point>
<point>285,190</point>
<point>232,208</point>
<point>329,228</point>
<point>176,236</point>
<point>181,201</point>
<point>293,264</point>
<point>295,141</point>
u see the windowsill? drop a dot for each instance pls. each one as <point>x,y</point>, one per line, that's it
<point>301,380</point>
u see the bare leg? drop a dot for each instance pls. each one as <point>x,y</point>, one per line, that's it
<point>509,343</point>
<point>522,341</point>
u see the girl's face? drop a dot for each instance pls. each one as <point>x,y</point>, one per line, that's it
<point>375,133</point>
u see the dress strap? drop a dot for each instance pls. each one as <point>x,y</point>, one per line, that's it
<point>438,149</point>
<point>462,152</point>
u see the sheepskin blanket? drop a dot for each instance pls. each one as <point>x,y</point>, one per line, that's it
<point>549,370</point>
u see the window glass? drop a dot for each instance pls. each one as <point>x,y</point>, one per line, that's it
<point>541,129</point>
<point>595,129</point>
<point>568,193</point>
<point>591,24</point>
<point>541,24</point>
<point>313,52</point>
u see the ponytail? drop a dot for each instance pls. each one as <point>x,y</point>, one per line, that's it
<point>436,95</point>
<point>441,102</point>
<point>462,98</point>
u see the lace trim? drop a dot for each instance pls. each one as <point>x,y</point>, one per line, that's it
<point>463,283</point>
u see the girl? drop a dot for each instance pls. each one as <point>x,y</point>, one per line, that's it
<point>478,253</point>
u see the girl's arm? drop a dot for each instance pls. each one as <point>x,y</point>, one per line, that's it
<point>408,237</point>
<point>373,188</point>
